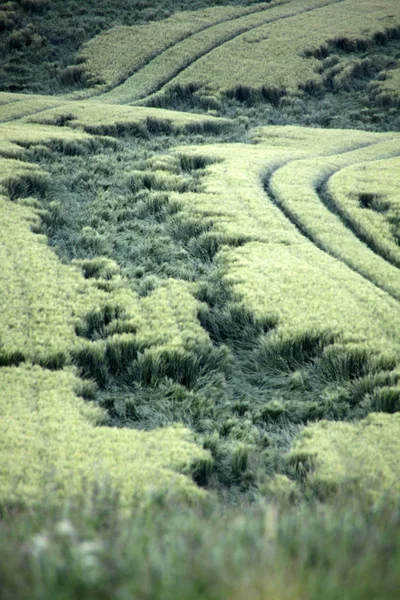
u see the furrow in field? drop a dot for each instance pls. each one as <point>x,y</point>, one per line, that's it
<point>171,63</point>
<point>295,188</point>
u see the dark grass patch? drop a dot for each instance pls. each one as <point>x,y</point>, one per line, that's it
<point>190,162</point>
<point>234,324</point>
<point>289,354</point>
<point>250,96</point>
<point>96,324</point>
<point>30,184</point>
<point>373,202</point>
<point>10,359</point>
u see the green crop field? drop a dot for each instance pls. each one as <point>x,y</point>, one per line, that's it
<point>200,300</point>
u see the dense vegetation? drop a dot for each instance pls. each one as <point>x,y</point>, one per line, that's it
<point>199,354</point>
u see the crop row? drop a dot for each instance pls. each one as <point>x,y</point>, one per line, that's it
<point>298,189</point>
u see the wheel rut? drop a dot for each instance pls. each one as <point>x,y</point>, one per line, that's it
<point>304,231</point>
<point>329,202</point>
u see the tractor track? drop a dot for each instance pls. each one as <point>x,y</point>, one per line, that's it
<point>304,231</point>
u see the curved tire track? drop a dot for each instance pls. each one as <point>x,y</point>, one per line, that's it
<point>303,230</point>
<point>329,202</point>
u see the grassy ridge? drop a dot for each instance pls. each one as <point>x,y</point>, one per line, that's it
<point>112,119</point>
<point>15,106</point>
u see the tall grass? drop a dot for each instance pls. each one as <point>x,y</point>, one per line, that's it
<point>168,551</point>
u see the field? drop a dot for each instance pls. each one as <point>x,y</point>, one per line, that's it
<point>200,291</point>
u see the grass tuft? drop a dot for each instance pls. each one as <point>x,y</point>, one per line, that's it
<point>30,184</point>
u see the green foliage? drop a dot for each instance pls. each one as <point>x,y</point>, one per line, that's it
<point>171,552</point>
<point>213,300</point>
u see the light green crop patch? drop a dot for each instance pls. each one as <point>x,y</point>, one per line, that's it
<point>277,270</point>
<point>368,196</point>
<point>41,298</point>
<point>309,291</point>
<point>277,55</point>
<point>116,53</point>
<point>16,106</point>
<point>53,449</point>
<point>361,457</point>
<point>170,317</point>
